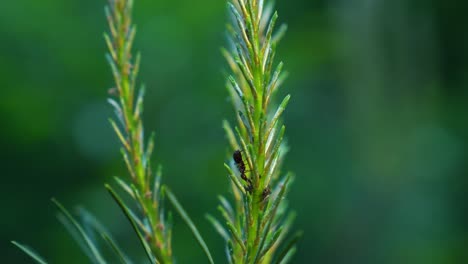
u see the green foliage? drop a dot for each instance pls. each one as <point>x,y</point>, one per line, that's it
<point>30,252</point>
<point>154,229</point>
<point>136,224</point>
<point>89,246</point>
<point>150,223</point>
<point>172,198</point>
<point>259,224</point>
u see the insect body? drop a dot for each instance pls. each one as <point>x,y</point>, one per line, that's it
<point>239,161</point>
<point>237,156</point>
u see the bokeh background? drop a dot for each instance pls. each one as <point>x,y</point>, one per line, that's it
<point>378,124</point>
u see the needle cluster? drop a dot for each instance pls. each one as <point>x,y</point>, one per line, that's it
<point>144,187</point>
<point>258,223</point>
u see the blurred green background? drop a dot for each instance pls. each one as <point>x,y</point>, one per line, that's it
<point>378,124</point>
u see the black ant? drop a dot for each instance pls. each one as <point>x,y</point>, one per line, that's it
<point>238,159</point>
<point>237,156</point>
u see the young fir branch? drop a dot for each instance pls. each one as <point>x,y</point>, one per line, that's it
<point>151,223</point>
<point>259,226</point>
<point>154,230</point>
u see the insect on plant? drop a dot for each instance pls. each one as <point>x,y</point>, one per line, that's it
<point>257,220</point>
<point>240,164</point>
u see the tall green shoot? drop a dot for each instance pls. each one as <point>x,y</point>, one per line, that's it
<point>128,125</point>
<point>258,222</point>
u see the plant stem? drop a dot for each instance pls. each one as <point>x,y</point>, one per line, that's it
<point>260,136</point>
<point>129,127</point>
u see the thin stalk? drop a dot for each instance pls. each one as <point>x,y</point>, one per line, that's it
<point>254,43</point>
<point>129,107</point>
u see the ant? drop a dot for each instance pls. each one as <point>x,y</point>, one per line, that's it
<point>237,156</point>
<point>239,161</point>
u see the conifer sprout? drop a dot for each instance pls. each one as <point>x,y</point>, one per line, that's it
<point>145,186</point>
<point>152,226</point>
<point>258,223</point>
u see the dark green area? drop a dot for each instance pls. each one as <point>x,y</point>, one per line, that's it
<point>377,124</point>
